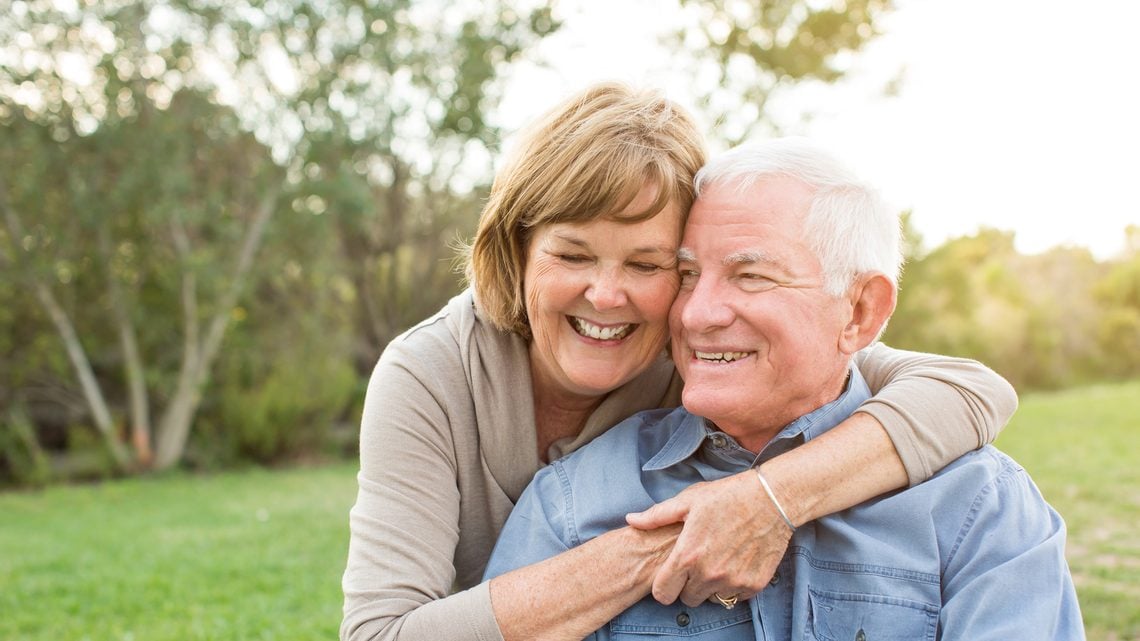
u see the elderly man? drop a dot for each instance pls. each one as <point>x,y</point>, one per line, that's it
<point>788,267</point>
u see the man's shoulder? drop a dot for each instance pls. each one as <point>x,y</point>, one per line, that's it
<point>981,467</point>
<point>978,482</point>
<point>950,494</point>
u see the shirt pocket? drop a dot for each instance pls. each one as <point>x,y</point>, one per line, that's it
<point>647,619</point>
<point>847,616</point>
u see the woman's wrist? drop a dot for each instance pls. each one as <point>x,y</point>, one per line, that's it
<point>644,550</point>
<point>791,490</point>
<point>849,464</point>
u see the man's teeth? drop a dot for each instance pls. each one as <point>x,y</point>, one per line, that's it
<point>722,357</point>
<point>602,333</point>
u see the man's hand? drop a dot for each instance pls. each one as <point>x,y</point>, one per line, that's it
<point>731,542</point>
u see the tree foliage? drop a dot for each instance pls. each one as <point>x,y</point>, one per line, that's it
<point>749,53</point>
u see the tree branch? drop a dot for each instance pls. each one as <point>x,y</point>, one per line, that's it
<point>96,401</point>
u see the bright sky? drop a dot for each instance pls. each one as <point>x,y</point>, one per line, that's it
<point>1022,115</point>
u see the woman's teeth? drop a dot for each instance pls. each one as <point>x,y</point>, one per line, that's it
<point>591,330</point>
<point>722,357</point>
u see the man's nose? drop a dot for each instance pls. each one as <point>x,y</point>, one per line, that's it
<point>706,306</point>
<point>607,289</point>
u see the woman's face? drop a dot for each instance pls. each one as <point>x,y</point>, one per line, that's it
<point>598,297</point>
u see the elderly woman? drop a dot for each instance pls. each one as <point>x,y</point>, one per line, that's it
<point>561,336</point>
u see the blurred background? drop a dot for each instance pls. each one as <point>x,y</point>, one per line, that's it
<point>216,214</point>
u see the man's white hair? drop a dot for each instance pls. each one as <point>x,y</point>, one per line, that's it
<point>849,227</point>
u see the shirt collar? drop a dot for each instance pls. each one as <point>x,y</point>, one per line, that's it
<point>692,431</point>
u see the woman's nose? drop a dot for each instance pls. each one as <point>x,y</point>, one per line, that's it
<point>607,290</point>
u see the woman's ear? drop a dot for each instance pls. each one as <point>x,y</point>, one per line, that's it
<point>872,298</point>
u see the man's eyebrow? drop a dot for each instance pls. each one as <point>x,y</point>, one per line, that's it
<point>686,255</point>
<point>750,257</point>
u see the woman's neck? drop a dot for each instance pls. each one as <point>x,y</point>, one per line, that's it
<point>558,413</point>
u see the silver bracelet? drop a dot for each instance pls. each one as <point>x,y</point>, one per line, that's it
<point>771,495</point>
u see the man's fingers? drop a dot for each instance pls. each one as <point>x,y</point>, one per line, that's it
<point>664,513</point>
<point>669,582</point>
<point>694,595</point>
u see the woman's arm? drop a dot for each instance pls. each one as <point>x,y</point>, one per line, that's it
<point>404,526</point>
<point>937,407</point>
<point>934,408</point>
<point>569,596</point>
<point>546,583</point>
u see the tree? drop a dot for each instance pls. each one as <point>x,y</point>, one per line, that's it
<point>1118,295</point>
<point>164,115</point>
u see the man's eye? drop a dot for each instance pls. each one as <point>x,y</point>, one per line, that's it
<point>755,282</point>
<point>688,277</point>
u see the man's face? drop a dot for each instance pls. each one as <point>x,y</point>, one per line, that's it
<point>754,334</point>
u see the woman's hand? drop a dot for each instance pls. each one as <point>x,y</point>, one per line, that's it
<point>732,541</point>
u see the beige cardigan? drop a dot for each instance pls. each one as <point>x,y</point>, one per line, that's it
<point>447,444</point>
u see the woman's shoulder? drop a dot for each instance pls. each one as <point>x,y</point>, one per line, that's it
<point>455,341</point>
<point>438,336</point>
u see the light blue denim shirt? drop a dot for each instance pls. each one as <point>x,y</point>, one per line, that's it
<point>973,553</point>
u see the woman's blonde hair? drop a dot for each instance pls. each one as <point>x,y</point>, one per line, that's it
<point>586,159</point>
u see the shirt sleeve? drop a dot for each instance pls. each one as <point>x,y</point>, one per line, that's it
<point>1006,576</point>
<point>536,529</point>
<point>934,408</point>
<point>404,527</point>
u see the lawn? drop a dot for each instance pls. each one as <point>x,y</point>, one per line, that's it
<point>247,555</point>
<point>1082,446</point>
<point>258,554</point>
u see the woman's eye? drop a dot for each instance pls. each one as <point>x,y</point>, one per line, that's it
<point>573,259</point>
<point>646,268</point>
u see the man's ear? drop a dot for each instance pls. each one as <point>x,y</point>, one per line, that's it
<point>872,299</point>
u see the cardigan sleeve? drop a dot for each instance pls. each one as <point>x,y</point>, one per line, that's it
<point>404,527</point>
<point>934,408</point>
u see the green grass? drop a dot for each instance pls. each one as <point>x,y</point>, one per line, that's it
<point>249,555</point>
<point>258,554</point>
<point>1082,447</point>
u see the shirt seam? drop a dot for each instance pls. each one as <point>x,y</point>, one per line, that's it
<point>1006,474</point>
<point>567,504</point>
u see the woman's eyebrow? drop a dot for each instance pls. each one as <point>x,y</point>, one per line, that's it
<point>647,249</point>
<point>573,240</point>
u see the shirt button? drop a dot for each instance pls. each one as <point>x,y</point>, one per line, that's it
<point>683,619</point>
<point>775,579</point>
<point>719,441</point>
<point>860,636</point>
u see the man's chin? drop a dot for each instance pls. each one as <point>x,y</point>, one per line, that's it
<point>708,403</point>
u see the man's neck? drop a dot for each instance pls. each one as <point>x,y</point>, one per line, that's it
<point>760,429</point>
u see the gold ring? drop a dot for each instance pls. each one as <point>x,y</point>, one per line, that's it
<point>728,602</point>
